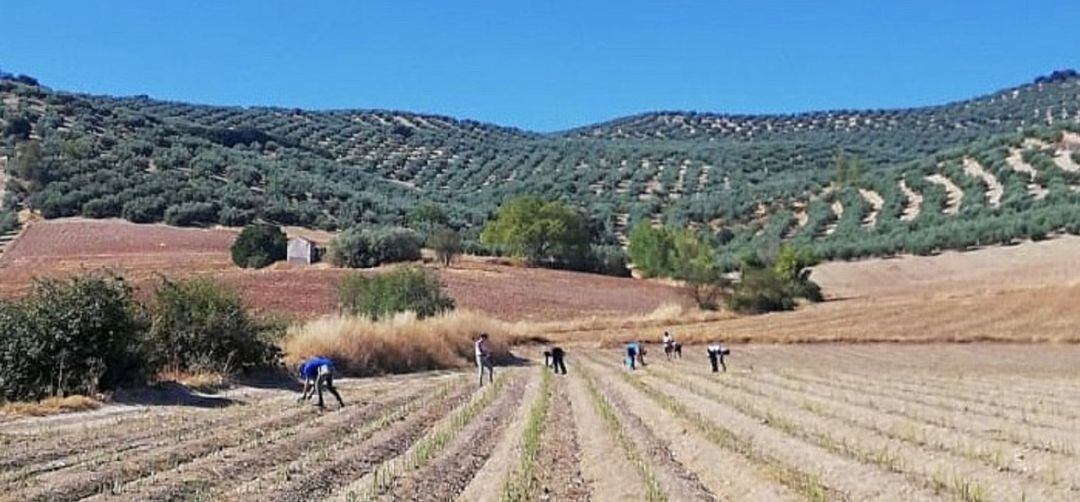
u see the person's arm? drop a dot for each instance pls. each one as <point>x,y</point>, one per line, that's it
<point>307,388</point>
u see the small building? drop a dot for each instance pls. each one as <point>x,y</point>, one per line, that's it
<point>301,250</point>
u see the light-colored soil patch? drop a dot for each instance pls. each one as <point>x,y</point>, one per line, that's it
<point>954,193</point>
<point>876,202</point>
<point>837,209</point>
<point>1015,160</point>
<point>604,466</point>
<point>914,202</point>
<point>994,187</point>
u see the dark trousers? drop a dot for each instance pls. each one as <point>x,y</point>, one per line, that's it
<point>557,364</point>
<point>715,358</point>
<point>327,381</point>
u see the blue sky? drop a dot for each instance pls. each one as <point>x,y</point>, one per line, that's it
<point>541,65</point>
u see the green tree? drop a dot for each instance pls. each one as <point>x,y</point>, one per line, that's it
<point>363,248</point>
<point>406,289</point>
<point>447,245</point>
<point>650,249</point>
<point>259,245</point>
<point>539,231</point>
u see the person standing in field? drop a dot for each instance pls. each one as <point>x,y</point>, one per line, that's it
<point>631,355</point>
<point>557,365</point>
<point>669,344</point>
<point>483,359</point>
<point>717,351</point>
<point>318,374</point>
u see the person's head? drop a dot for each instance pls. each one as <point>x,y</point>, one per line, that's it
<point>483,336</point>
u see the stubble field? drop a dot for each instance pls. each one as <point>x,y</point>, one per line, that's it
<point>820,422</point>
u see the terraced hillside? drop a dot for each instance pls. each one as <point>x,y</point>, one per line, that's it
<point>990,169</point>
<point>784,423</point>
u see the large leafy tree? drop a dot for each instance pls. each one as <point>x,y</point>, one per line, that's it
<point>539,231</point>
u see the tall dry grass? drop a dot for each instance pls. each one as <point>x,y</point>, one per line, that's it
<point>48,406</point>
<point>361,347</point>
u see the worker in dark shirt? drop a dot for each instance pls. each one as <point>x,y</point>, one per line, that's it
<point>553,358</point>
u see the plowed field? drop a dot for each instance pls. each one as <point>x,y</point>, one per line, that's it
<point>820,422</point>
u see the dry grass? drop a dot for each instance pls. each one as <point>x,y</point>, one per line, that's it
<point>200,381</point>
<point>48,406</point>
<point>361,347</point>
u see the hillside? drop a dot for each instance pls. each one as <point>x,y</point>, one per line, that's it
<point>848,183</point>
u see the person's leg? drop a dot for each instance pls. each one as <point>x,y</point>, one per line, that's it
<point>333,391</point>
<point>722,363</point>
<point>491,369</point>
<point>480,368</point>
<point>319,382</point>
<point>712,361</point>
<point>560,366</point>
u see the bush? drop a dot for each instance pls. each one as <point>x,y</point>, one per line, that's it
<point>9,222</point>
<point>77,336</point>
<point>258,246</point>
<point>191,213</point>
<point>408,289</point>
<point>447,245</point>
<point>760,290</point>
<point>363,248</point>
<point>201,326</point>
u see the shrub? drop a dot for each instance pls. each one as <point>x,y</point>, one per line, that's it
<point>19,128</point>
<point>191,213</point>
<point>408,289</point>
<point>760,290</point>
<point>258,246</point>
<point>362,248</point>
<point>9,222</point>
<point>447,245</point>
<point>76,336</point>
<point>199,325</point>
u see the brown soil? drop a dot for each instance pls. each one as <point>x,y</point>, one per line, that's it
<point>143,253</point>
<point>558,473</point>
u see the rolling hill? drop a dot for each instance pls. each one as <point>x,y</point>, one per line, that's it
<point>848,183</point>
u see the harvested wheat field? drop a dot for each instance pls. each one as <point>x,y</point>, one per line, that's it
<point>143,253</point>
<point>941,422</point>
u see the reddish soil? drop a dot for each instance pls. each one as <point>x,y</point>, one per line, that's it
<point>58,248</point>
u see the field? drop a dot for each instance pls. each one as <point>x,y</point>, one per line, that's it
<point>941,422</point>
<point>55,248</point>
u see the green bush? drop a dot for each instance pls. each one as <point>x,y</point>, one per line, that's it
<point>650,250</point>
<point>76,336</point>
<point>364,248</point>
<point>9,222</point>
<point>258,246</point>
<point>200,325</point>
<point>760,290</point>
<point>407,289</point>
<point>447,245</point>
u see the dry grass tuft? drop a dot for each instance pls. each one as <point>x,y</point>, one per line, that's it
<point>48,406</point>
<point>207,382</point>
<point>361,347</point>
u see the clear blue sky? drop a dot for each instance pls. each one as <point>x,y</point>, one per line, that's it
<point>541,65</point>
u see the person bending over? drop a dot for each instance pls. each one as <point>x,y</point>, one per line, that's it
<point>318,374</point>
<point>557,363</point>
<point>717,351</point>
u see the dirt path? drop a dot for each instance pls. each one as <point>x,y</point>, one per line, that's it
<point>954,193</point>
<point>606,469</point>
<point>676,481</point>
<point>1015,160</point>
<point>558,465</point>
<point>876,203</point>
<point>723,472</point>
<point>452,470</point>
<point>994,187</point>
<point>914,205</point>
<point>487,485</point>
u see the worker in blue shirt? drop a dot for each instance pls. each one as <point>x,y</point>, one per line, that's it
<point>318,373</point>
